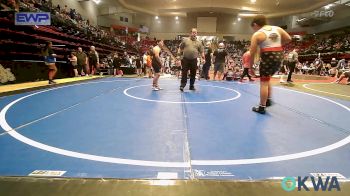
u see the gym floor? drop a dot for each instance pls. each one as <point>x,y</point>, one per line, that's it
<point>119,128</point>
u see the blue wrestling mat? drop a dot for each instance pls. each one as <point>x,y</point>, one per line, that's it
<point>120,128</point>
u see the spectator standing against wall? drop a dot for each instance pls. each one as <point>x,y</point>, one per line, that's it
<point>82,62</point>
<point>93,60</point>
<point>74,61</point>
<point>50,61</point>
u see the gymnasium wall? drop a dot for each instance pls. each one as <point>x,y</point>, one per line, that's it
<point>326,27</point>
<point>169,28</point>
<point>227,25</point>
<point>118,19</point>
<point>171,36</point>
<point>206,24</point>
<point>330,26</point>
<point>114,15</point>
<point>340,19</point>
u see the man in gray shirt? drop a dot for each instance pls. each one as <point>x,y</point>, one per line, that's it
<point>292,61</point>
<point>190,49</point>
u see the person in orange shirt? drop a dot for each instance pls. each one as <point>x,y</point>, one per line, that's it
<point>149,66</point>
<point>246,65</point>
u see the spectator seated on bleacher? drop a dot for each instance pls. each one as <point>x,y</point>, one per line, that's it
<point>232,74</point>
<point>9,5</point>
<point>345,74</point>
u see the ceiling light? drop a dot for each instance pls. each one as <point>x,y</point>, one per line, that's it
<point>239,19</point>
<point>156,17</point>
<point>176,18</point>
<point>252,1</point>
<point>247,14</point>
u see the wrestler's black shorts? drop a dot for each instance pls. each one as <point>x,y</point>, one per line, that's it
<point>156,67</point>
<point>270,63</point>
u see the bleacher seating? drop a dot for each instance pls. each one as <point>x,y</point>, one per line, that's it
<point>20,43</point>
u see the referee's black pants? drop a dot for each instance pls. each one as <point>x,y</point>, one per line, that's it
<point>291,67</point>
<point>188,65</point>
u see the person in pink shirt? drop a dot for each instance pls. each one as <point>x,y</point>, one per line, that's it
<point>246,65</point>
